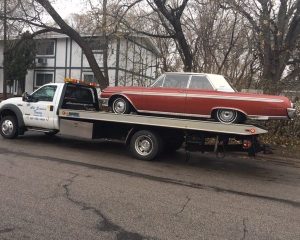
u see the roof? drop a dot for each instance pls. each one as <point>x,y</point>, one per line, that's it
<point>194,73</point>
<point>54,35</point>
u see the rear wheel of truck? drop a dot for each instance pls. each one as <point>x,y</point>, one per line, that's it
<point>146,145</point>
<point>9,127</point>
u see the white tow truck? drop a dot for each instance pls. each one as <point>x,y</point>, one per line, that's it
<point>73,109</point>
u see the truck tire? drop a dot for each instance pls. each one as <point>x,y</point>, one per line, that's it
<point>146,145</point>
<point>9,127</point>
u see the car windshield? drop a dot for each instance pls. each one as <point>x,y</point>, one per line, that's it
<point>159,81</point>
<point>221,84</point>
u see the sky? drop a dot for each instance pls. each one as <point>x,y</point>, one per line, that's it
<point>66,7</point>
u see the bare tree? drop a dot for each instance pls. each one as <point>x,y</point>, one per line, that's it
<point>38,26</point>
<point>276,28</point>
<point>69,31</point>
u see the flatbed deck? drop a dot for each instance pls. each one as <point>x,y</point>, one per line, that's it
<point>167,122</point>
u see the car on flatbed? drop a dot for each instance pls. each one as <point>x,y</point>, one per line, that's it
<point>198,95</point>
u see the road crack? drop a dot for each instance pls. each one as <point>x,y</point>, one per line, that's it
<point>104,224</point>
<point>245,230</point>
<point>7,230</point>
<point>188,199</point>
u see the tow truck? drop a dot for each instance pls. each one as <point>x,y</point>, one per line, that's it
<point>72,109</point>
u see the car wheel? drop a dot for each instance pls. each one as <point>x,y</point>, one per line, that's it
<point>145,145</point>
<point>9,127</point>
<point>121,106</point>
<point>228,116</point>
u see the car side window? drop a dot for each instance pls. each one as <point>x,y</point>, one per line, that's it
<point>176,81</point>
<point>200,82</point>
<point>45,93</point>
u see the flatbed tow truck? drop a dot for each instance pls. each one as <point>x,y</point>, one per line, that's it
<point>73,109</point>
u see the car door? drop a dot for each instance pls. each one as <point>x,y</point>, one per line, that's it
<point>40,110</point>
<point>199,99</point>
<point>169,98</point>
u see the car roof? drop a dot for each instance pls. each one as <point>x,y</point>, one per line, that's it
<point>193,73</point>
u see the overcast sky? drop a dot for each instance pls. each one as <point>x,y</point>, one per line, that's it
<point>66,7</point>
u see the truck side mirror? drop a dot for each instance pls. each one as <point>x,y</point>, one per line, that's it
<point>25,97</point>
<point>28,98</point>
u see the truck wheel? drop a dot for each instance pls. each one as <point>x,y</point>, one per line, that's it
<point>9,127</point>
<point>145,145</point>
<point>121,106</point>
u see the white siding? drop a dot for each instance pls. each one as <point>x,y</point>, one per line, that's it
<point>135,62</point>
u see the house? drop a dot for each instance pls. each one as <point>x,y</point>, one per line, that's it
<point>132,60</point>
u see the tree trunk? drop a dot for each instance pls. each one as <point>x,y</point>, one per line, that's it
<point>173,15</point>
<point>105,51</point>
<point>103,82</point>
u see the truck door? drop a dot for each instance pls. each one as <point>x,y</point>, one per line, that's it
<point>40,110</point>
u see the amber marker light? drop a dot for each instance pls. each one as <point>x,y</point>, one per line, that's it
<point>251,130</point>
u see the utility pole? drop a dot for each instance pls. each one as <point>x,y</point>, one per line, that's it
<point>4,50</point>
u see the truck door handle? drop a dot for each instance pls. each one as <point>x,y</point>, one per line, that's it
<point>51,108</point>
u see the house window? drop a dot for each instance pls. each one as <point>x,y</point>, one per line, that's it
<point>43,78</point>
<point>89,78</point>
<point>45,47</point>
<point>97,44</point>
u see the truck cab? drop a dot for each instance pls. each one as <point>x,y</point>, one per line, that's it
<point>39,110</point>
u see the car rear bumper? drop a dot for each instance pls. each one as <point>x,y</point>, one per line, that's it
<point>291,112</point>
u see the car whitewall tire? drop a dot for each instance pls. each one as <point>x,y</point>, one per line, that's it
<point>121,106</point>
<point>227,116</point>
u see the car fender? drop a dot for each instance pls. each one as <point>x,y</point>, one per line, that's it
<point>121,95</point>
<point>231,108</point>
<point>13,108</point>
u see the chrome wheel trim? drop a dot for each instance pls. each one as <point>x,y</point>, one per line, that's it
<point>143,145</point>
<point>226,115</point>
<point>7,127</point>
<point>119,106</point>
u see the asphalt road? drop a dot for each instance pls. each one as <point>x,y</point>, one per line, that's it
<point>61,188</point>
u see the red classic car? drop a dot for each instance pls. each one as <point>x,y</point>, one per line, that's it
<point>197,95</point>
